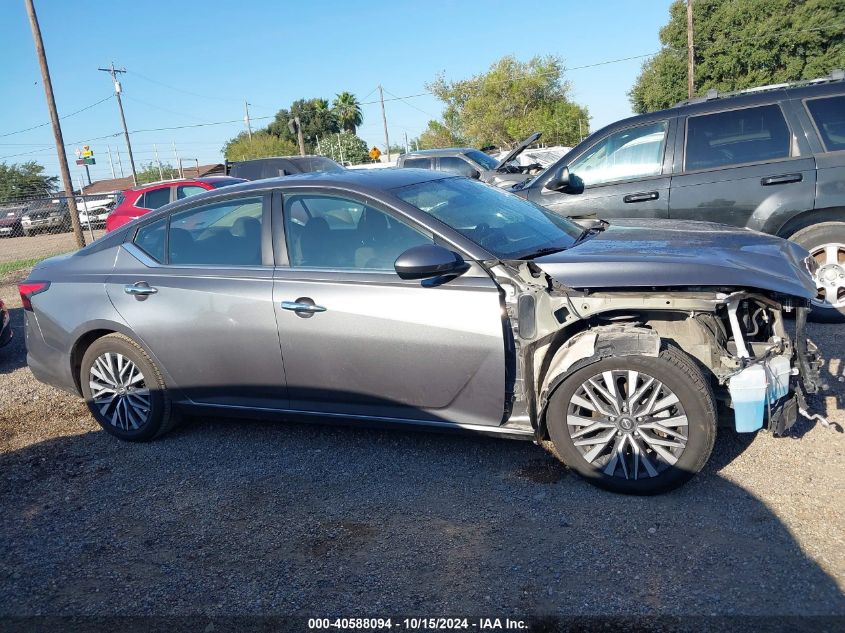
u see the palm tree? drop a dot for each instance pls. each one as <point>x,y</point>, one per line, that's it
<point>348,111</point>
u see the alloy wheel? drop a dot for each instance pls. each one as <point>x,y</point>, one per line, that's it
<point>830,276</point>
<point>627,424</point>
<point>119,391</point>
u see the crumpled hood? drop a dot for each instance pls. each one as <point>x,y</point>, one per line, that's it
<point>662,253</point>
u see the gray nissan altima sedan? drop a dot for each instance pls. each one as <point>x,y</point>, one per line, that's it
<point>412,297</point>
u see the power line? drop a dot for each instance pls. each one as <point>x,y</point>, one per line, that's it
<point>35,127</point>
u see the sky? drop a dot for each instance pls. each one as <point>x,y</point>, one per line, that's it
<point>192,63</point>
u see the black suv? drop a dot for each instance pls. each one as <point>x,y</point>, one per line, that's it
<point>771,159</point>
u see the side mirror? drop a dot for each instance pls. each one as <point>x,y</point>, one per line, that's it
<point>559,180</point>
<point>428,261</point>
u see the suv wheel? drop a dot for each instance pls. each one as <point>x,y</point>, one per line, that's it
<point>634,424</point>
<point>124,389</point>
<point>826,243</point>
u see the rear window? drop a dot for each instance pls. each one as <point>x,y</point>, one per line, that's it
<point>418,163</point>
<point>736,137</point>
<point>829,115</point>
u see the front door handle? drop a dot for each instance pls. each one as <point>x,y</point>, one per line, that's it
<point>783,179</point>
<point>641,197</point>
<point>303,307</point>
<point>140,290</point>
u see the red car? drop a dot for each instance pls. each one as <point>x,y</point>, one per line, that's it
<point>133,203</point>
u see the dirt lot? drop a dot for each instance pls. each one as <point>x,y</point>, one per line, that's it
<point>40,245</point>
<point>228,517</point>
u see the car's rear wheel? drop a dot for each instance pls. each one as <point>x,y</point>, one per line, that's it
<point>826,243</point>
<point>124,389</point>
<point>634,424</point>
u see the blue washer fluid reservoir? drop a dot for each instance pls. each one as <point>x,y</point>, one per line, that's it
<point>748,393</point>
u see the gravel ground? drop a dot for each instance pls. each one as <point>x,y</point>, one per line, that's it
<point>13,249</point>
<point>226,517</point>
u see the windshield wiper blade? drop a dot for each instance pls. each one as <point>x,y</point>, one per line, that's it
<point>548,250</point>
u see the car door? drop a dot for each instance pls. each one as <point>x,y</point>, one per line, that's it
<point>358,340</point>
<point>197,287</point>
<point>742,167</point>
<point>624,174</point>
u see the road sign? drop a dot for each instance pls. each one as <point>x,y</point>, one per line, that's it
<point>86,161</point>
<point>375,153</point>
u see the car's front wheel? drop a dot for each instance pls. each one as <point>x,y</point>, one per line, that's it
<point>634,424</point>
<point>124,389</point>
<point>826,243</point>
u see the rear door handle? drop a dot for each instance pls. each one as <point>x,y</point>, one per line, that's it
<point>783,179</point>
<point>641,197</point>
<point>303,307</point>
<point>140,290</point>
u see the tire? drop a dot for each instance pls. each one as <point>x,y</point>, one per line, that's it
<point>826,243</point>
<point>694,413</point>
<point>141,409</point>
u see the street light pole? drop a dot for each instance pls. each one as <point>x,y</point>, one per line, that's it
<point>67,182</point>
<point>113,72</point>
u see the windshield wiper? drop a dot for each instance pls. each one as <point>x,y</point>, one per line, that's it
<point>548,250</point>
<point>591,230</point>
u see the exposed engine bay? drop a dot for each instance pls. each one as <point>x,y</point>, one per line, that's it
<point>737,336</point>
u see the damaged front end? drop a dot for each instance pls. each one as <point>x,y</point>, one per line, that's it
<point>738,336</point>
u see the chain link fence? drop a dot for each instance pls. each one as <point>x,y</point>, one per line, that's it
<point>32,229</point>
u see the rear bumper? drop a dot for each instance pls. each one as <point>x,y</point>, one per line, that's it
<point>46,363</point>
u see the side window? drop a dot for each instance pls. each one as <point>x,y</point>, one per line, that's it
<point>150,239</point>
<point>736,137</point>
<point>455,165</point>
<point>418,163</point>
<point>339,233</point>
<point>156,198</point>
<point>186,191</point>
<point>829,115</point>
<point>141,201</point>
<point>631,153</point>
<point>223,234</point>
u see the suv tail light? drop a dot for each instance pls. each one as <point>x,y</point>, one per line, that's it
<point>29,288</point>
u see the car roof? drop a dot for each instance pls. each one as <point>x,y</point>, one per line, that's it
<point>177,181</point>
<point>442,150</point>
<point>353,179</point>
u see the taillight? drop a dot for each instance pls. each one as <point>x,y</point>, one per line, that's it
<point>29,288</point>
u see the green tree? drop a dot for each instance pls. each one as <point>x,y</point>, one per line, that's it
<point>315,116</point>
<point>261,145</point>
<point>149,172</point>
<point>437,135</point>
<point>510,101</point>
<point>347,110</point>
<point>345,147</point>
<point>26,180</point>
<point>741,44</point>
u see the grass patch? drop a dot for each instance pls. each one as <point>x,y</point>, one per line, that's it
<point>20,264</point>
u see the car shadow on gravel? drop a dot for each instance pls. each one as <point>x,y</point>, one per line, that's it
<point>13,355</point>
<point>246,518</point>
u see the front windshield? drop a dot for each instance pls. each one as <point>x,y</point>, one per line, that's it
<point>504,224</point>
<point>485,160</point>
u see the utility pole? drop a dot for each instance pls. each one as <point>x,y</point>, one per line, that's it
<point>690,54</point>
<point>299,137</point>
<point>160,172</point>
<point>246,119</point>
<point>111,164</point>
<point>113,72</point>
<point>119,164</point>
<point>406,142</point>
<point>384,120</point>
<point>67,182</point>
<point>176,156</point>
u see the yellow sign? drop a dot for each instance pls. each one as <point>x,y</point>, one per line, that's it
<point>86,152</point>
<point>375,153</point>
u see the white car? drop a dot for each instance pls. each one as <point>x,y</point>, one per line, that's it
<point>96,210</point>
